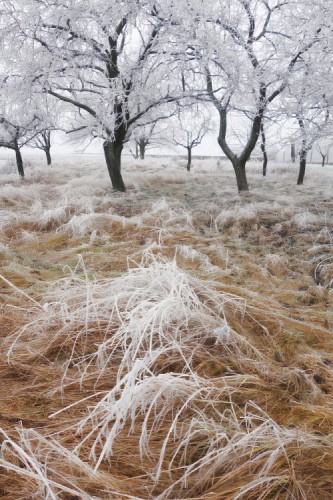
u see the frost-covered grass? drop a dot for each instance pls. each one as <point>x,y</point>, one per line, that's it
<point>174,341</point>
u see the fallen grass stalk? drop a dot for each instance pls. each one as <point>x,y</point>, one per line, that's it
<point>21,292</point>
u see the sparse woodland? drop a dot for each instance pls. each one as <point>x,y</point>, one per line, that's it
<point>166,325</point>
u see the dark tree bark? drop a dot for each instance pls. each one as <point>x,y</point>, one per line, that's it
<point>19,161</point>
<point>47,142</point>
<point>42,141</point>
<point>323,159</point>
<point>302,154</point>
<point>240,171</point>
<point>142,146</point>
<point>238,162</point>
<point>293,152</point>
<point>112,153</point>
<point>263,149</point>
<point>193,139</point>
<point>301,173</point>
<point>189,158</point>
<point>48,156</point>
<point>183,82</point>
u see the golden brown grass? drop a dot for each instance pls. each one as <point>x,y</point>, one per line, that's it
<point>171,342</point>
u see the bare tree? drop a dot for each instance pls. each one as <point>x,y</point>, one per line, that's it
<point>144,136</point>
<point>15,135</point>
<point>190,128</point>
<point>323,147</point>
<point>43,141</point>
<point>308,104</point>
<point>9,138</point>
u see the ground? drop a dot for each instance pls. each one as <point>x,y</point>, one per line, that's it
<point>173,341</point>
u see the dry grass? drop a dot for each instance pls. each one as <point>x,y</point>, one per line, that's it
<point>171,342</point>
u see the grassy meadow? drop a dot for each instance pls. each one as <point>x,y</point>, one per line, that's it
<point>171,342</point>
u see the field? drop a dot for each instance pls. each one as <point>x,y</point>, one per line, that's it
<point>171,342</point>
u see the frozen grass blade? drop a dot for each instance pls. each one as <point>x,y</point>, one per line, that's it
<point>21,292</point>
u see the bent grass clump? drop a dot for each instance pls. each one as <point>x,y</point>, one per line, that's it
<point>154,306</point>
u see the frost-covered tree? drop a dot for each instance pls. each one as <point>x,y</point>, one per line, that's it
<point>14,134</point>
<point>188,129</point>
<point>19,119</point>
<point>53,117</point>
<point>323,146</point>
<point>25,118</point>
<point>43,142</point>
<point>246,51</point>
<point>145,137</point>
<point>105,59</point>
<point>309,103</point>
<point>150,131</point>
<point>9,138</point>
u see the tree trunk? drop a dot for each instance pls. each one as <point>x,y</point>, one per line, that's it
<point>142,149</point>
<point>323,160</point>
<point>48,155</point>
<point>240,171</point>
<point>112,153</point>
<point>302,165</point>
<point>263,149</point>
<point>303,153</point>
<point>239,163</point>
<point>293,153</point>
<point>189,158</point>
<point>19,161</point>
<point>264,164</point>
